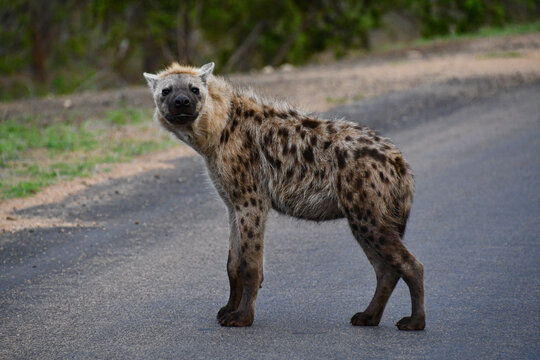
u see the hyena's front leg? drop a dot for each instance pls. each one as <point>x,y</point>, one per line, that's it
<point>245,265</point>
<point>232,269</point>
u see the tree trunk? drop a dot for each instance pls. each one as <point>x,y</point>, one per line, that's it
<point>241,52</point>
<point>39,34</point>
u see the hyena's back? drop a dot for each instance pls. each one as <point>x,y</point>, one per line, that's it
<point>320,170</point>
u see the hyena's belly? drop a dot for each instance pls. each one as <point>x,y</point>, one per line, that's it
<point>306,201</point>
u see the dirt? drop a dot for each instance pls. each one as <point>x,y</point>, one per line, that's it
<point>315,88</point>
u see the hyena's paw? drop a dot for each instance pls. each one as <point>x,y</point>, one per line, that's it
<point>225,310</point>
<point>408,323</point>
<point>236,318</point>
<point>363,319</point>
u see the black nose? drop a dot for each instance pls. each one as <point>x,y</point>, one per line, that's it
<point>181,100</point>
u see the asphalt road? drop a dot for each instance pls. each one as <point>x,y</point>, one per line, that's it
<point>123,290</point>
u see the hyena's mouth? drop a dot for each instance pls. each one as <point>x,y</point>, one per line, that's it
<point>180,118</point>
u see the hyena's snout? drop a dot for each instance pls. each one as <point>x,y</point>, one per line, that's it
<point>181,108</point>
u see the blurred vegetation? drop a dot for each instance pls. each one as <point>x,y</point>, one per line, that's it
<point>35,153</point>
<point>63,46</point>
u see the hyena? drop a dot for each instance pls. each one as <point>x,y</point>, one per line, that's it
<point>263,154</point>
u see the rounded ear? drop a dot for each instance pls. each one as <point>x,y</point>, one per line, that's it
<point>151,79</point>
<point>206,71</point>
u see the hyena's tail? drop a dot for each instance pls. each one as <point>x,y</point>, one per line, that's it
<point>404,197</point>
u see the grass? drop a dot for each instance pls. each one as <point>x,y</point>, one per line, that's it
<point>36,153</point>
<point>507,30</point>
<point>500,55</point>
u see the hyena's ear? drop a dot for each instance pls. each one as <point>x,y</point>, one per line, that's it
<point>151,79</point>
<point>206,71</point>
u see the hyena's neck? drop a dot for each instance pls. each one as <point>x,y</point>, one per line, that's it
<point>208,127</point>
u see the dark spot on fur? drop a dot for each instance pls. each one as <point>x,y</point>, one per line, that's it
<point>246,204</point>
<point>290,173</point>
<point>339,184</point>
<point>348,138</point>
<point>257,220</point>
<point>330,128</point>
<point>364,140</point>
<point>303,134</point>
<point>249,113</point>
<point>382,240</point>
<point>258,247</point>
<point>269,112</point>
<point>341,157</point>
<point>310,123</point>
<point>258,118</point>
<point>314,140</point>
<point>349,195</point>
<point>283,132</point>
<point>298,128</point>
<point>302,174</point>
<point>372,153</point>
<point>400,165</point>
<point>250,234</point>
<point>363,229</point>
<point>234,124</point>
<point>327,144</point>
<point>253,202</point>
<point>308,154</point>
<point>282,115</point>
<point>238,111</point>
<point>292,149</point>
<point>354,227</point>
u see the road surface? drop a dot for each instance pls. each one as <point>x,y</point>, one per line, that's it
<point>147,282</point>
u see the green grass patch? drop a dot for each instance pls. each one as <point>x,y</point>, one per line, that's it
<point>36,153</point>
<point>345,99</point>
<point>500,55</point>
<point>507,30</point>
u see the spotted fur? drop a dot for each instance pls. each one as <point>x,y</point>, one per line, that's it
<point>263,154</point>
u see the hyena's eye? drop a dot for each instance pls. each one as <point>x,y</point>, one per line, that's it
<point>195,90</point>
<point>165,91</point>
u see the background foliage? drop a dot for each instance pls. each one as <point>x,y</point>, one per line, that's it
<point>62,46</point>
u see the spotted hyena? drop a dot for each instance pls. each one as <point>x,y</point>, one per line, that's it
<point>263,154</point>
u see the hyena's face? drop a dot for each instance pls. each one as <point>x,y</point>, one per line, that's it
<point>180,97</point>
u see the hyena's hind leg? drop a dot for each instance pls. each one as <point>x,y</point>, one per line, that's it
<point>390,259</point>
<point>387,278</point>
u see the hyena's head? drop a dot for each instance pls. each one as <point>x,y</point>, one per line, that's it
<point>180,93</point>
